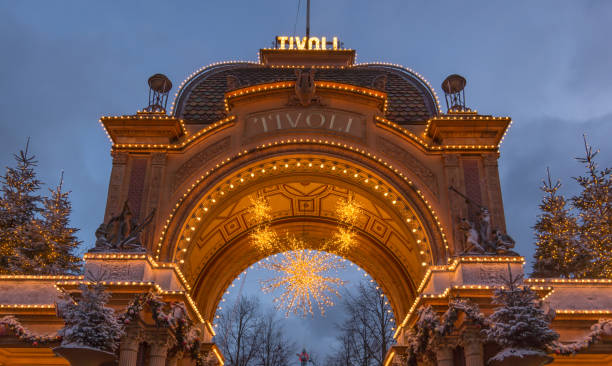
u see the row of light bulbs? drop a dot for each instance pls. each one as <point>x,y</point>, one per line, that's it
<point>196,73</point>
<point>301,141</point>
<point>278,167</point>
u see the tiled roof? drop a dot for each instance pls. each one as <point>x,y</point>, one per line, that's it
<point>201,100</point>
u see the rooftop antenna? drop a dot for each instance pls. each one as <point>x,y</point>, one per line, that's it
<point>159,86</point>
<point>454,93</point>
<point>307,21</point>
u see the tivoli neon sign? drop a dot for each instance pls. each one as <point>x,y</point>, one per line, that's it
<point>305,43</point>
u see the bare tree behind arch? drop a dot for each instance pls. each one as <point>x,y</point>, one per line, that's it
<point>367,333</point>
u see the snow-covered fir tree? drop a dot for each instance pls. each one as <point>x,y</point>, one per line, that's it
<point>594,205</point>
<point>519,325</point>
<point>35,237</point>
<point>60,241</point>
<point>558,253</point>
<point>20,239</point>
<point>88,321</point>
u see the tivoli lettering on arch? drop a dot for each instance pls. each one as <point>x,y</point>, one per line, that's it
<point>334,122</point>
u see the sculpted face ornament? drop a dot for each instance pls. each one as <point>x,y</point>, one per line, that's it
<point>305,87</point>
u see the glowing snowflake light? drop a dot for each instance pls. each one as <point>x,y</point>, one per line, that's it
<point>304,280</point>
<point>264,238</point>
<point>343,239</point>
<point>348,211</point>
<point>260,209</point>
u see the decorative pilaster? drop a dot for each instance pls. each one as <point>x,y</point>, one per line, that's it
<point>128,348</point>
<point>472,347</point>
<point>117,178</point>
<point>495,204</point>
<point>458,208</point>
<point>154,187</point>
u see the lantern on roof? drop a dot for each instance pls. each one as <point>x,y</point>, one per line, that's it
<point>159,86</point>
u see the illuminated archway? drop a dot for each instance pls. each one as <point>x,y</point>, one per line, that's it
<point>208,231</point>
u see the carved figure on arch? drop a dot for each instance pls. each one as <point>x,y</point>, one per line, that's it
<point>121,233</point>
<point>471,238</point>
<point>305,88</point>
<point>479,238</point>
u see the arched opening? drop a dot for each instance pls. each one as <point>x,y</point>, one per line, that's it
<point>360,315</point>
<point>398,235</point>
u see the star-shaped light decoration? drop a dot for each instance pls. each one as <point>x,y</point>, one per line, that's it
<point>260,209</point>
<point>262,236</point>
<point>347,212</point>
<point>304,278</point>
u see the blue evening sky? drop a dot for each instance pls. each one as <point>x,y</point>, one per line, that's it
<point>547,64</point>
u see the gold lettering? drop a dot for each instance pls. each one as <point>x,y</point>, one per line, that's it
<point>348,124</point>
<point>282,41</point>
<point>331,121</point>
<point>316,42</point>
<point>263,123</point>
<point>321,122</point>
<point>303,43</point>
<point>297,120</point>
<point>300,45</point>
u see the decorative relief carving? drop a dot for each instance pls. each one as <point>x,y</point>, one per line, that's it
<point>294,199</point>
<point>410,162</point>
<point>489,274</point>
<point>115,270</point>
<point>198,160</point>
<point>305,88</point>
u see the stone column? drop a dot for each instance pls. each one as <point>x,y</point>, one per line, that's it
<point>444,355</point>
<point>472,347</point>
<point>160,341</point>
<point>128,348</point>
